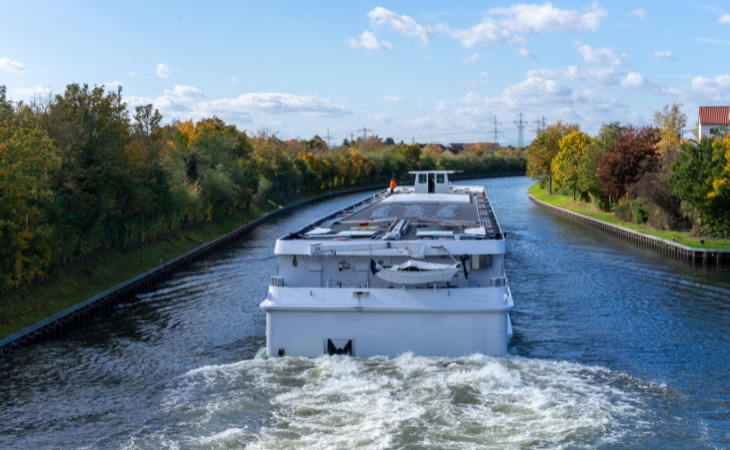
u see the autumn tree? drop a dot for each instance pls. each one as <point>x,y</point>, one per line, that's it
<point>317,143</point>
<point>543,149</point>
<point>670,122</point>
<point>412,154</point>
<point>27,157</point>
<point>566,164</point>
<point>627,159</point>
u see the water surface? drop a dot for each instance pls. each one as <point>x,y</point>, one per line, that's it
<point>614,347</point>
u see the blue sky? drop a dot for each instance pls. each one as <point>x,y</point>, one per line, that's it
<point>433,71</point>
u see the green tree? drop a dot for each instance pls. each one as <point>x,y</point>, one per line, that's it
<point>543,149</point>
<point>27,156</point>
<point>696,178</point>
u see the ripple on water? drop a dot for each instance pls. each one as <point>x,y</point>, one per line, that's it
<point>408,401</point>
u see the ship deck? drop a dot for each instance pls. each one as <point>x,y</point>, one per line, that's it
<point>464,213</point>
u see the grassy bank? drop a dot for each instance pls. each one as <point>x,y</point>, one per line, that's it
<point>87,276</point>
<point>590,210</point>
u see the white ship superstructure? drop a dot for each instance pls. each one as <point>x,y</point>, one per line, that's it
<point>420,270</point>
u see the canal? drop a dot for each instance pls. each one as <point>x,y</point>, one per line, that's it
<point>614,347</point>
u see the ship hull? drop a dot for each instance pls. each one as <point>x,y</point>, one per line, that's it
<point>388,322</point>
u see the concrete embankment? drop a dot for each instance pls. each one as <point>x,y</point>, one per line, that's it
<point>667,247</point>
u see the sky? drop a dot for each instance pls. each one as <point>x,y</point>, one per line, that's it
<point>429,71</point>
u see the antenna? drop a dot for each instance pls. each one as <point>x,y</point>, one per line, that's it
<point>495,132</point>
<point>520,126</point>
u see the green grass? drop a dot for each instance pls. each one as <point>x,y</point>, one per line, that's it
<point>87,276</point>
<point>590,210</point>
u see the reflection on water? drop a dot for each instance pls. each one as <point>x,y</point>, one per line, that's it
<point>614,347</point>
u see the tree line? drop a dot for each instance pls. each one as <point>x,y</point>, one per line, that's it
<point>644,174</point>
<point>79,172</point>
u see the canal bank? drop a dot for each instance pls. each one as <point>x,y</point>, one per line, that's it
<point>615,347</point>
<point>664,246</point>
<point>79,315</point>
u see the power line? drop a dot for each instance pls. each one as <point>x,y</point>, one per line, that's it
<point>540,125</point>
<point>496,133</point>
<point>520,126</point>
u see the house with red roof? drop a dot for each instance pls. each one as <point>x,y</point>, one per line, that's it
<point>713,118</point>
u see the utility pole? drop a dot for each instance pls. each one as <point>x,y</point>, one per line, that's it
<point>352,138</point>
<point>495,132</point>
<point>520,126</point>
<point>328,138</point>
<point>540,124</point>
<point>365,132</point>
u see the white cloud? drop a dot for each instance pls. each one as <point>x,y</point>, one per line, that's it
<point>472,59</point>
<point>535,97</point>
<point>714,85</point>
<point>526,53</point>
<point>132,74</point>
<point>393,99</point>
<point>381,118</point>
<point>185,92</point>
<point>544,74</point>
<point>369,41</point>
<point>276,103</point>
<point>664,55</point>
<point>602,77</point>
<point>636,81</point>
<point>29,92</point>
<point>113,85</point>
<point>724,19</point>
<point>713,41</point>
<point>484,74</point>
<point>545,18</point>
<point>511,24</point>
<point>598,55</point>
<point>10,66</point>
<point>640,13</point>
<point>234,81</point>
<point>165,71</point>
<point>188,102</point>
<point>403,24</point>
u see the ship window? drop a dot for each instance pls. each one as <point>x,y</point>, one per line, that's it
<point>440,178</point>
<point>421,178</point>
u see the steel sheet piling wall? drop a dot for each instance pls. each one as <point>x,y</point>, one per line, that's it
<point>663,246</point>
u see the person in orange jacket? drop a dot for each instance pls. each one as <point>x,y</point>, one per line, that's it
<point>392,185</point>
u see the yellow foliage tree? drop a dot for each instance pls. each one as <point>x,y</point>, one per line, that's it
<point>566,164</point>
<point>543,149</point>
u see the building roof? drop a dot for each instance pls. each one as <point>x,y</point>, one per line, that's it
<point>714,115</point>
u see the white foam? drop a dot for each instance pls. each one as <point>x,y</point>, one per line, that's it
<point>342,402</point>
